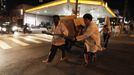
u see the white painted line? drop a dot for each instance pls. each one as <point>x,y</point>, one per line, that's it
<point>44,36</point>
<point>34,37</point>
<point>3,45</point>
<point>18,42</point>
<point>31,40</point>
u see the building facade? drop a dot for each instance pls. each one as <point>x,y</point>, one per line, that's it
<point>3,6</point>
<point>97,8</point>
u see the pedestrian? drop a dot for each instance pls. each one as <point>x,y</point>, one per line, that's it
<point>25,28</point>
<point>106,36</point>
<point>58,42</point>
<point>91,39</point>
<point>117,30</point>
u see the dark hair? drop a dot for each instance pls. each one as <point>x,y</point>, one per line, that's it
<point>88,16</point>
<point>56,16</point>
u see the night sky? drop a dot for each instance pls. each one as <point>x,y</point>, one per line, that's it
<point>13,3</point>
<point>120,4</point>
<point>113,4</point>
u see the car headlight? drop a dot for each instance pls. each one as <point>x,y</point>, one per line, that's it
<point>14,28</point>
<point>28,28</point>
<point>4,29</point>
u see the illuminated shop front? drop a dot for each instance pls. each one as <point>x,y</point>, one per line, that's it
<point>97,8</point>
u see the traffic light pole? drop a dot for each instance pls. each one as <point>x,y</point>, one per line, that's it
<point>124,14</point>
<point>76,8</point>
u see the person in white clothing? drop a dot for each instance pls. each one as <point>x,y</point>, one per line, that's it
<point>91,38</point>
<point>117,31</point>
<point>59,30</point>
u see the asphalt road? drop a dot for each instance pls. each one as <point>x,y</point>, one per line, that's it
<point>27,60</point>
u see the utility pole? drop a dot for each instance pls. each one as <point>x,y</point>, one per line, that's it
<point>76,8</point>
<point>124,13</point>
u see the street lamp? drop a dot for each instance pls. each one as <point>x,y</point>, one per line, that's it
<point>21,17</point>
<point>21,11</point>
<point>76,8</point>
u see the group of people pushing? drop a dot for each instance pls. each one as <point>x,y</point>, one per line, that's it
<point>90,37</point>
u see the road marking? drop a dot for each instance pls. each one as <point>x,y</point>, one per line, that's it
<point>44,36</point>
<point>33,37</point>
<point>3,45</point>
<point>18,42</point>
<point>31,40</point>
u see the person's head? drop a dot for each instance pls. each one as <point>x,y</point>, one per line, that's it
<point>87,18</point>
<point>56,19</point>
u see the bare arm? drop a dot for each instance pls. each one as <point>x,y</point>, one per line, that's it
<point>90,30</point>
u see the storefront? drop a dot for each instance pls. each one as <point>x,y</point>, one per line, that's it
<point>43,13</point>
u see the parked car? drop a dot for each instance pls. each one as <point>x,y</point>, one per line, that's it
<point>4,28</point>
<point>16,29</point>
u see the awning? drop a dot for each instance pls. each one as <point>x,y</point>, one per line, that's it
<point>64,7</point>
